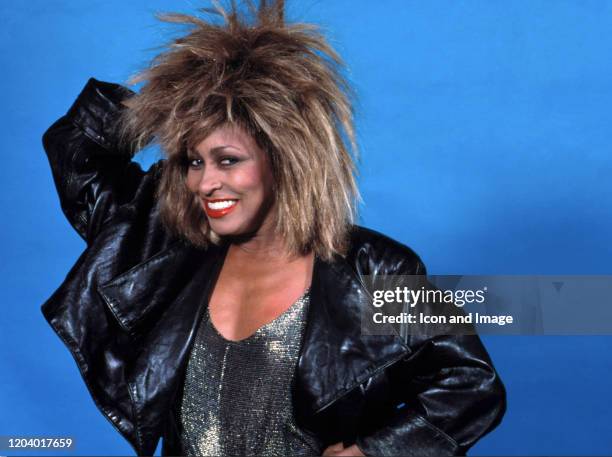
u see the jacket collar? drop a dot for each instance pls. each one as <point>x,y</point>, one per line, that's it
<point>335,356</point>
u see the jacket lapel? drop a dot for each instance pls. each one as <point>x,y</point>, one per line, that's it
<point>134,295</point>
<point>336,357</point>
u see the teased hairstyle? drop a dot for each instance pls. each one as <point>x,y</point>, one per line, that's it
<point>280,82</point>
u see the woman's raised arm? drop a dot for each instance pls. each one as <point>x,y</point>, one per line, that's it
<point>92,170</point>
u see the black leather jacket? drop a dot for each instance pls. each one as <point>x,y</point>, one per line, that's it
<point>128,311</point>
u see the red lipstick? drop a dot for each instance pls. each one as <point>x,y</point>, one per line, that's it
<point>222,206</point>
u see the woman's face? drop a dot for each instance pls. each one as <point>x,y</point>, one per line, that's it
<point>232,178</point>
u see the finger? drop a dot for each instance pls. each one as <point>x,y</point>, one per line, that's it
<point>351,451</point>
<point>333,449</point>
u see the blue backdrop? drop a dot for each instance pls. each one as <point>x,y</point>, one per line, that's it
<point>484,130</point>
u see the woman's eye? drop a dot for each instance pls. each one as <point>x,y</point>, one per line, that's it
<point>228,161</point>
<point>194,163</point>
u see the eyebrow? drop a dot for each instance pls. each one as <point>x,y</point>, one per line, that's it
<point>216,150</point>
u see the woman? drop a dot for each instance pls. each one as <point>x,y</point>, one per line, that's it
<point>218,303</point>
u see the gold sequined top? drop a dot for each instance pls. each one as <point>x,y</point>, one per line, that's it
<point>237,394</point>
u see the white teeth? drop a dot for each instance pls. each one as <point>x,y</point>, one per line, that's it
<point>221,205</point>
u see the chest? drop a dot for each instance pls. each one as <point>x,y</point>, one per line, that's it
<point>244,300</point>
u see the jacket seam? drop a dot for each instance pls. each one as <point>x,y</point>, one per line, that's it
<point>437,430</point>
<point>110,305</point>
<point>133,395</point>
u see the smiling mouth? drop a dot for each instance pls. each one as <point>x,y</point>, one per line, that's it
<point>219,207</point>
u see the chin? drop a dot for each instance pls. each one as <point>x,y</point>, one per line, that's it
<point>229,230</point>
<point>222,231</point>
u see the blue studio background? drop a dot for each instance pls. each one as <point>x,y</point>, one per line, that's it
<point>484,132</point>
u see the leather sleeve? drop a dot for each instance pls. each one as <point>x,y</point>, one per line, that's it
<point>445,396</point>
<point>452,396</point>
<point>93,173</point>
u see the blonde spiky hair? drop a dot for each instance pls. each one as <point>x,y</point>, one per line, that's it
<point>282,84</point>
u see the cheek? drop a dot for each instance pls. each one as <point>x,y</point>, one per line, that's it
<point>192,181</point>
<point>245,185</point>
<point>249,181</point>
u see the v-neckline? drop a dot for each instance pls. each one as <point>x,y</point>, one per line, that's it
<point>303,297</point>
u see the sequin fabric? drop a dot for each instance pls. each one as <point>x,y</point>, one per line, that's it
<point>237,394</point>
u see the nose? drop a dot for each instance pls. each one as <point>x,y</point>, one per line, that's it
<point>210,181</point>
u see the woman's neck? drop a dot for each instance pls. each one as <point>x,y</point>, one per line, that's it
<point>264,260</point>
<point>262,247</point>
